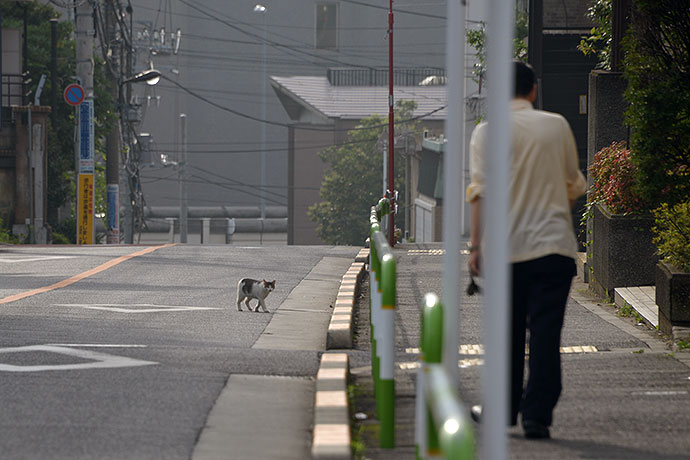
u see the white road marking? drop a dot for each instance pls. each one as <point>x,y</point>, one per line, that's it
<point>659,393</point>
<point>99,360</point>
<point>479,350</point>
<point>132,307</point>
<point>462,364</point>
<point>94,345</point>
<point>10,260</point>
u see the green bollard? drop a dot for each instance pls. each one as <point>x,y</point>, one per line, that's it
<point>432,352</point>
<point>387,349</point>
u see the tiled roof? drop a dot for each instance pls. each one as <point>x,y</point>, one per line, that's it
<point>356,102</point>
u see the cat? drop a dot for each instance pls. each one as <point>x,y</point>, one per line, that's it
<point>248,289</point>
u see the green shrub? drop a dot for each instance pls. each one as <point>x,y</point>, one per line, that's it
<point>59,238</point>
<point>657,67</point>
<point>614,181</point>
<point>673,234</point>
<point>5,235</point>
<point>66,231</point>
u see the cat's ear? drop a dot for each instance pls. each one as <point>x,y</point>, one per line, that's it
<point>273,283</point>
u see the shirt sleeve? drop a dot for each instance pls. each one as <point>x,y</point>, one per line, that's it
<point>575,180</point>
<point>477,172</point>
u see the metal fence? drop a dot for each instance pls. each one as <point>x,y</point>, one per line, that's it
<point>379,77</point>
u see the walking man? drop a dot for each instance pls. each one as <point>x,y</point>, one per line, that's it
<point>544,182</point>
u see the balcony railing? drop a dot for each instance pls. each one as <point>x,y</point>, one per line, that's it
<point>379,77</point>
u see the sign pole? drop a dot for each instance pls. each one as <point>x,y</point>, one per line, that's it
<point>84,33</point>
<point>85,184</point>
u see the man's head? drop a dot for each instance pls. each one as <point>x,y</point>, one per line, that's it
<point>525,81</point>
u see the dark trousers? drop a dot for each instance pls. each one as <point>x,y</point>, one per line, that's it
<point>540,293</point>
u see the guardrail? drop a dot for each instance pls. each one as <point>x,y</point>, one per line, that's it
<point>382,282</point>
<point>442,429</point>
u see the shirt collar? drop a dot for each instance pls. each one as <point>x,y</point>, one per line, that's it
<point>520,104</point>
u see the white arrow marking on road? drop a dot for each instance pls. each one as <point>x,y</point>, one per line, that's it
<point>33,259</point>
<point>99,360</point>
<point>131,307</point>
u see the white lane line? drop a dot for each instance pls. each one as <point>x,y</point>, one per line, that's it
<point>94,345</point>
<point>10,260</point>
<point>133,307</point>
<point>98,360</point>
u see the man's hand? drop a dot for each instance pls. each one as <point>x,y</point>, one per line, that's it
<point>474,262</point>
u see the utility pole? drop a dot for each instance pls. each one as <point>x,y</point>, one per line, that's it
<point>262,10</point>
<point>112,141</point>
<point>85,145</point>
<point>53,73</point>
<point>391,129</point>
<point>182,166</point>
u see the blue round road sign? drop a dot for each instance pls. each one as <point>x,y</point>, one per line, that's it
<point>74,94</point>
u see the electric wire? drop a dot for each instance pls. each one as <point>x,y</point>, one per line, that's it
<point>285,125</point>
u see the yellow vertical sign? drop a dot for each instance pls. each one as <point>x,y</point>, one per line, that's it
<point>85,209</point>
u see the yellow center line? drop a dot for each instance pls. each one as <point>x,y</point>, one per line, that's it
<point>81,276</point>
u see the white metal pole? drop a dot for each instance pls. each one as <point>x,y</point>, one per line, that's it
<point>263,117</point>
<point>452,189</point>
<point>182,171</point>
<point>496,224</point>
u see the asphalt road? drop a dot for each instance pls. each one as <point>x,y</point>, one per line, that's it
<point>127,363</point>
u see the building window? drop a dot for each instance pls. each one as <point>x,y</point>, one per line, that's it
<point>326,26</point>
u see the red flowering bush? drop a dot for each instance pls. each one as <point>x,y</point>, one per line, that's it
<point>614,177</point>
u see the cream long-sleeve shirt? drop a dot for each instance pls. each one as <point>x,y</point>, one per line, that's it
<point>544,177</point>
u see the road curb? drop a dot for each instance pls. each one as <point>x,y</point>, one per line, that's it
<point>331,438</point>
<point>339,335</point>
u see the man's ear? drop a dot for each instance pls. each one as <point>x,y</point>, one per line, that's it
<point>533,94</point>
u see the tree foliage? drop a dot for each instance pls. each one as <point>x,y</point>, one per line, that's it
<point>61,149</point>
<point>657,66</point>
<point>600,37</point>
<point>476,38</point>
<point>352,182</point>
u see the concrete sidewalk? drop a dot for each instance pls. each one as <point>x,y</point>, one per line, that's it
<point>626,395</point>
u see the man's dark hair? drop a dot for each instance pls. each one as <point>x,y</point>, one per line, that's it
<point>524,79</point>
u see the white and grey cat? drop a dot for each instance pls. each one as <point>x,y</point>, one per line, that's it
<point>248,289</point>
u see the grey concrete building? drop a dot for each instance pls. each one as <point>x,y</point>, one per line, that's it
<point>219,77</point>
<point>334,108</point>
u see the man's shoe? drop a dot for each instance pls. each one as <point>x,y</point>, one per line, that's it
<point>535,430</point>
<point>476,413</point>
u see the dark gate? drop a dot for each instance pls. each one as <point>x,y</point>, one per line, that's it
<point>565,81</point>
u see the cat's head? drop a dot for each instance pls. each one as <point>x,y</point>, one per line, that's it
<point>269,285</point>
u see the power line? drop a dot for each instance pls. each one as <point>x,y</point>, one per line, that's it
<point>269,42</point>
<point>285,125</point>
<point>234,188</point>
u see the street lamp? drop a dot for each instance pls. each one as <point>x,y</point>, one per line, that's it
<point>150,76</point>
<point>261,9</point>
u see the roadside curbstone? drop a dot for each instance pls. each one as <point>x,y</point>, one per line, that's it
<point>331,438</point>
<point>339,335</point>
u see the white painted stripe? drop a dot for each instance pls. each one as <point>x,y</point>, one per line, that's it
<point>479,349</point>
<point>99,360</point>
<point>10,260</point>
<point>95,345</point>
<point>132,308</point>
<point>660,393</point>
